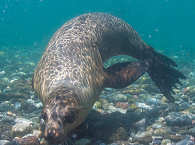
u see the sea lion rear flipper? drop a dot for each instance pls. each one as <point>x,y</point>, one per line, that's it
<point>121,75</point>
<point>163,72</point>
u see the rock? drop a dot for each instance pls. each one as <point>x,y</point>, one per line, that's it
<point>143,137</point>
<point>6,106</point>
<point>2,73</point>
<point>143,106</point>
<point>192,131</point>
<point>5,118</point>
<point>122,105</point>
<point>118,98</point>
<point>112,109</point>
<point>97,105</point>
<point>176,137</point>
<point>17,105</point>
<point>163,131</point>
<point>83,141</point>
<point>183,105</point>
<point>156,125</point>
<point>157,140</point>
<point>178,119</point>
<point>187,141</point>
<point>3,142</point>
<point>141,124</point>
<point>119,134</point>
<point>22,127</point>
<point>152,101</point>
<point>28,107</point>
<point>166,142</point>
<point>190,91</point>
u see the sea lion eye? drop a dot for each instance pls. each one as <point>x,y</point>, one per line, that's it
<point>69,117</point>
<point>44,116</point>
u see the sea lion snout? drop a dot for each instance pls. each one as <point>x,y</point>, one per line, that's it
<point>57,119</point>
<point>53,135</point>
<point>52,128</point>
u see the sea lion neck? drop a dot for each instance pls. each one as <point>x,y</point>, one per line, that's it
<point>60,93</point>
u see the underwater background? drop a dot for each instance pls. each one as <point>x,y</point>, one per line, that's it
<point>167,25</point>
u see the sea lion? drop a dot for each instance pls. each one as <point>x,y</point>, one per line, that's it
<point>70,75</point>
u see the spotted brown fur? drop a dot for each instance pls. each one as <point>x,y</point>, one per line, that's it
<point>70,75</point>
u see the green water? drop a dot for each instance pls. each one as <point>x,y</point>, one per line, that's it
<point>167,25</point>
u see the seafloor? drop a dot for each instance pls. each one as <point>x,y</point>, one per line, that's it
<point>136,115</point>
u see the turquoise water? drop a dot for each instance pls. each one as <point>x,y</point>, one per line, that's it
<point>164,24</point>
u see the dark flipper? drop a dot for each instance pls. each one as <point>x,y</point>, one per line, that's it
<point>163,73</point>
<point>121,75</point>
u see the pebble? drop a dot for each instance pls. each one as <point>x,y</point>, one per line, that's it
<point>143,137</point>
<point>21,128</point>
<point>83,141</point>
<point>157,140</point>
<point>192,131</point>
<point>141,124</point>
<point>5,118</point>
<point>17,105</point>
<point>166,142</point>
<point>2,72</point>
<point>143,106</point>
<point>6,106</point>
<point>118,98</point>
<point>156,125</point>
<point>178,119</point>
<point>187,141</point>
<point>112,109</point>
<point>3,142</point>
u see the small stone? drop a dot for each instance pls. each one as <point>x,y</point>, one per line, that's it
<point>156,125</point>
<point>22,127</point>
<point>3,142</point>
<point>2,72</point>
<point>6,106</point>
<point>190,91</point>
<point>141,124</point>
<point>186,141</point>
<point>39,105</point>
<point>17,105</point>
<point>97,105</point>
<point>176,137</point>
<point>192,131</point>
<point>102,144</point>
<point>119,134</point>
<point>11,114</point>
<point>36,133</point>
<point>83,141</point>
<point>143,106</point>
<point>123,105</point>
<point>119,98</point>
<point>143,137</point>
<point>163,131</point>
<point>166,142</point>
<point>157,140</point>
<point>178,119</point>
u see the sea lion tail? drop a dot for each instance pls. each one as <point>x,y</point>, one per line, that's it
<point>163,72</point>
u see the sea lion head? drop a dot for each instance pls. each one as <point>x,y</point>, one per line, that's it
<point>58,118</point>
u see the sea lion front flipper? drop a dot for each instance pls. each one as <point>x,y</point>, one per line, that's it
<point>121,75</point>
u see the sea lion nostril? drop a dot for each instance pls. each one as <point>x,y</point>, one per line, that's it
<point>51,133</point>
